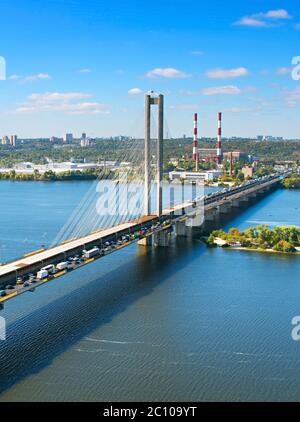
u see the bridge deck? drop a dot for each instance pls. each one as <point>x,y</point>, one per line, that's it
<point>35,258</point>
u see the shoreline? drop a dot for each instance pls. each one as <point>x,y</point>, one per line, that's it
<point>270,251</point>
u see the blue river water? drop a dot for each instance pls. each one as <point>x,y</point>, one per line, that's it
<point>166,324</point>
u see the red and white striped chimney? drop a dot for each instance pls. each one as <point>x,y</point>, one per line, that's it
<point>219,144</point>
<point>195,138</point>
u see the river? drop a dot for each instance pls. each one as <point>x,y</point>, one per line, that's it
<point>180,323</point>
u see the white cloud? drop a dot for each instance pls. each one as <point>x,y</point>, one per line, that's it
<point>167,72</point>
<point>85,70</point>
<point>248,21</point>
<point>237,110</point>
<point>197,53</point>
<point>227,73</point>
<point>14,77</point>
<point>265,20</point>
<point>277,14</point>
<point>30,78</point>
<point>62,102</point>
<point>135,91</point>
<point>59,96</point>
<point>219,90</point>
<point>36,77</point>
<point>283,71</point>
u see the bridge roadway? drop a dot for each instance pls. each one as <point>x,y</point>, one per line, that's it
<point>138,229</point>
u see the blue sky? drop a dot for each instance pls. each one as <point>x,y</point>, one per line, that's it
<point>83,66</point>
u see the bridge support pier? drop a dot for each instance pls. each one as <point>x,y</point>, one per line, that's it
<point>244,199</point>
<point>211,215</point>
<point>181,229</point>
<point>235,203</point>
<point>224,209</point>
<point>162,238</point>
<point>147,241</point>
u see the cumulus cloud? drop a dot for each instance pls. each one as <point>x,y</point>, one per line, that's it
<point>265,20</point>
<point>283,71</point>
<point>237,110</point>
<point>227,73</point>
<point>64,102</point>
<point>167,72</point>
<point>197,53</point>
<point>248,21</point>
<point>135,91</point>
<point>30,78</point>
<point>36,77</point>
<point>219,90</point>
<point>85,70</point>
<point>277,14</point>
<point>58,96</point>
<point>14,77</point>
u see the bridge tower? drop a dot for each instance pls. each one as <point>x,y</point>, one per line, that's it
<point>153,99</point>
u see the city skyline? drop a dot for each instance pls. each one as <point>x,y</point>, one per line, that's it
<point>73,66</point>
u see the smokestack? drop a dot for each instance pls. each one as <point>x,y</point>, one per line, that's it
<point>219,145</point>
<point>195,153</point>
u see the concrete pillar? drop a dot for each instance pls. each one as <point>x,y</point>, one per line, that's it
<point>224,209</point>
<point>160,102</point>
<point>161,238</point>
<point>181,229</point>
<point>235,203</point>
<point>147,182</point>
<point>151,100</point>
<point>147,241</point>
<point>210,215</point>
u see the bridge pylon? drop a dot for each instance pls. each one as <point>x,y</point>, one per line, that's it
<point>153,99</point>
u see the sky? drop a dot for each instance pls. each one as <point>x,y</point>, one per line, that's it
<point>85,65</point>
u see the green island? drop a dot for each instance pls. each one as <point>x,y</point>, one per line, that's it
<point>261,238</point>
<point>292,182</point>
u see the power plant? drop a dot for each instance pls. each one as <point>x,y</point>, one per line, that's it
<point>208,154</point>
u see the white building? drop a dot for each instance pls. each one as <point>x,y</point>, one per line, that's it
<point>207,176</point>
<point>5,140</point>
<point>13,140</point>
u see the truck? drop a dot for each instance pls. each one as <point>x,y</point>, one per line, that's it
<point>62,265</point>
<point>50,268</point>
<point>42,274</point>
<point>91,253</point>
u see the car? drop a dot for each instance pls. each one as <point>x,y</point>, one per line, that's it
<point>3,293</point>
<point>26,284</point>
<point>9,287</point>
<point>19,281</point>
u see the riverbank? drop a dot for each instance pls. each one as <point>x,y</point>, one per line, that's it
<point>268,251</point>
<point>258,238</point>
<point>292,182</point>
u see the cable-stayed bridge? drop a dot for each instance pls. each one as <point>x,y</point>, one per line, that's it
<point>133,205</point>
